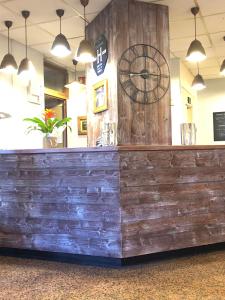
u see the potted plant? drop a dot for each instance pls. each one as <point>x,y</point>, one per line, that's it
<point>50,126</point>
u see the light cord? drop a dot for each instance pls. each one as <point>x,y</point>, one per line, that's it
<point>84,23</point>
<point>8,39</point>
<point>26,35</point>
<point>195,28</point>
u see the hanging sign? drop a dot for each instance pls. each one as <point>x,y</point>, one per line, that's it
<point>101,47</point>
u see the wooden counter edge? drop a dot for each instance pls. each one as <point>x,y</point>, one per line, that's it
<point>114,149</point>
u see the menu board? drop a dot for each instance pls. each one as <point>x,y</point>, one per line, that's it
<point>219,126</point>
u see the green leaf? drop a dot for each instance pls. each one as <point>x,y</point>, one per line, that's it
<point>42,126</point>
<point>48,125</point>
<point>63,122</point>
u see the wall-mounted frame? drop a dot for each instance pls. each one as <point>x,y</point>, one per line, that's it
<point>35,99</point>
<point>56,94</point>
<point>219,126</point>
<point>82,125</point>
<point>100,96</point>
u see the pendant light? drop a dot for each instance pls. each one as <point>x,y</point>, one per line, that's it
<point>222,69</point>
<point>75,83</point>
<point>60,46</point>
<point>86,52</point>
<point>196,52</point>
<point>8,64</point>
<point>198,83</point>
<point>4,115</point>
<point>26,69</point>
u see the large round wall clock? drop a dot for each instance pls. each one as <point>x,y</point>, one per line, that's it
<point>144,74</point>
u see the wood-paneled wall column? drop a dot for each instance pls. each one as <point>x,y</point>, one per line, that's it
<point>126,23</point>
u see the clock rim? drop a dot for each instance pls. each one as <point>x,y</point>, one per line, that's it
<point>168,68</point>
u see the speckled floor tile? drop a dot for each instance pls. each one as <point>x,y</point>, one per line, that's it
<point>198,277</point>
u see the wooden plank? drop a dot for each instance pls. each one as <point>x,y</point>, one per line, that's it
<point>164,108</point>
<point>171,199</point>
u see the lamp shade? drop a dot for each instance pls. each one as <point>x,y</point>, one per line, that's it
<point>9,64</point>
<point>26,70</point>
<point>4,115</point>
<point>196,52</point>
<point>75,85</point>
<point>198,83</point>
<point>222,69</point>
<point>86,53</point>
<point>60,46</point>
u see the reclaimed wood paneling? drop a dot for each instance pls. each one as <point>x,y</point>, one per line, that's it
<point>171,199</point>
<point>108,23</point>
<point>121,202</point>
<point>63,202</point>
<point>125,23</point>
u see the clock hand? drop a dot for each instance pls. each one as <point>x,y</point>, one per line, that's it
<point>147,74</point>
<point>144,73</point>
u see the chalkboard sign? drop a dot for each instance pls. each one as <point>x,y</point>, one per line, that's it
<point>219,126</point>
<point>101,47</point>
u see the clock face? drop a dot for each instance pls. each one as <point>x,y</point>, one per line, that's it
<point>144,74</point>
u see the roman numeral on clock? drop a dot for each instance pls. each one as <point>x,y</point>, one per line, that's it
<point>127,84</point>
<point>135,52</point>
<point>125,72</point>
<point>145,50</point>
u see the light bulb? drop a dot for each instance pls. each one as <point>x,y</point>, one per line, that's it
<point>198,83</point>
<point>26,70</point>
<point>196,52</point>
<point>86,53</point>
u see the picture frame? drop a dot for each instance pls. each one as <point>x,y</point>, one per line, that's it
<point>100,96</point>
<point>82,125</point>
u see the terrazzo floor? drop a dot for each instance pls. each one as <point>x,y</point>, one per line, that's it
<point>200,277</point>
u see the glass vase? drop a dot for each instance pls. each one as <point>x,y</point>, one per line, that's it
<point>50,141</point>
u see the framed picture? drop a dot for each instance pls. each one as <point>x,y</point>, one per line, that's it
<point>82,125</point>
<point>100,96</point>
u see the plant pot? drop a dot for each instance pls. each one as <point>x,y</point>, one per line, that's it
<point>50,141</point>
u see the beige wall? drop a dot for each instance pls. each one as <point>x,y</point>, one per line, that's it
<point>181,80</point>
<point>14,97</point>
<point>210,100</point>
<point>76,106</point>
<point>204,103</point>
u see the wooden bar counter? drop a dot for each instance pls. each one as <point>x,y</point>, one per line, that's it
<point>115,202</point>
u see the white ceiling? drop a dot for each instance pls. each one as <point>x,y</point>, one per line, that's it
<point>44,25</point>
<point>210,30</point>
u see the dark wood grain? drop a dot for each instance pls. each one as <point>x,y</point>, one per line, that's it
<point>126,23</point>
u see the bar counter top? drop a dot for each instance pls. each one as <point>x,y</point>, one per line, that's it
<point>113,149</point>
<point>114,202</point>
